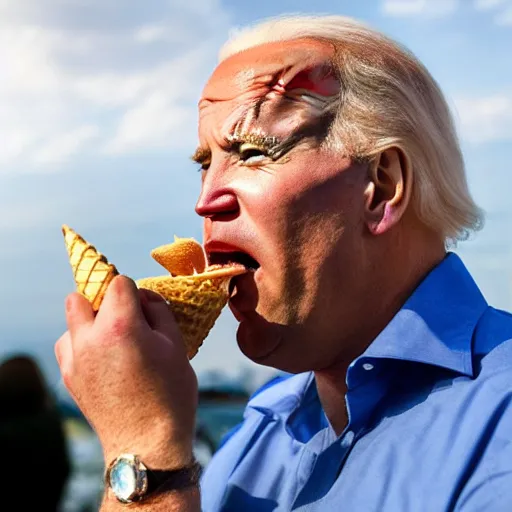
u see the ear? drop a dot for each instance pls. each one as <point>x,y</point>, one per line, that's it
<point>388,192</point>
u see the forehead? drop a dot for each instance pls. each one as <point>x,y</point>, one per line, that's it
<point>255,69</point>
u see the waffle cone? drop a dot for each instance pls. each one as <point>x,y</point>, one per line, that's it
<point>91,270</point>
<point>196,301</point>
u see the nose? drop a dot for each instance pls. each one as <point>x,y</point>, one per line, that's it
<point>217,198</point>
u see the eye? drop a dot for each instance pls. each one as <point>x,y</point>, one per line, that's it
<point>251,154</point>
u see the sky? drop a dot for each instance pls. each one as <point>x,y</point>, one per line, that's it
<point>98,120</point>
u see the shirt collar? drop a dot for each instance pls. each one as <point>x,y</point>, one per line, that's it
<point>436,324</point>
<point>284,396</point>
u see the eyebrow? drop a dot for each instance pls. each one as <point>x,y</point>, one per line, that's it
<point>201,155</point>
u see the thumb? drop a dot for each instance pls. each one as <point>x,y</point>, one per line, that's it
<point>159,315</point>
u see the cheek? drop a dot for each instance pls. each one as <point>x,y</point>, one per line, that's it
<point>292,216</point>
<point>265,197</point>
<point>298,207</point>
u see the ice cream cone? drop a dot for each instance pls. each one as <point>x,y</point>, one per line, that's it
<point>91,270</point>
<point>196,300</point>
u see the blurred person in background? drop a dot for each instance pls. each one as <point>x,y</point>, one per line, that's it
<point>330,163</point>
<point>33,445</point>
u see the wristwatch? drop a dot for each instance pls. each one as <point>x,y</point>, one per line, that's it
<point>131,481</point>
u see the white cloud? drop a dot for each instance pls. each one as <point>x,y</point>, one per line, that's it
<point>505,17</point>
<point>12,143</point>
<point>417,8</point>
<point>502,10</point>
<point>485,119</point>
<point>150,33</point>
<point>483,5</point>
<point>153,123</point>
<point>160,32</point>
<point>61,146</point>
<point>78,76</point>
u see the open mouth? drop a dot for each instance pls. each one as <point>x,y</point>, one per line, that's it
<point>227,258</point>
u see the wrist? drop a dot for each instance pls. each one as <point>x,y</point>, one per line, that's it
<point>158,445</point>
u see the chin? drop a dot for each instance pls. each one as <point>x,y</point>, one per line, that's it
<point>270,344</point>
<point>257,339</point>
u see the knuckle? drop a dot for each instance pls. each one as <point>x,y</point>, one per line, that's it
<point>119,327</point>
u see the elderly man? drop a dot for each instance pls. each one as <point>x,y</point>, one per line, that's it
<point>330,162</point>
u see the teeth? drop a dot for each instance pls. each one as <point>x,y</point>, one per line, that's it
<point>225,258</point>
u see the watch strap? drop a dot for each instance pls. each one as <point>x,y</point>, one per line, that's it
<point>172,480</point>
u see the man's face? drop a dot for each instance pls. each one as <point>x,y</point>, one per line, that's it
<point>274,196</point>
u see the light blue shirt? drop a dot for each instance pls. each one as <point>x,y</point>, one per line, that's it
<point>430,420</point>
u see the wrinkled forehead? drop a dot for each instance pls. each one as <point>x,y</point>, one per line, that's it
<point>252,71</point>
<point>285,90</point>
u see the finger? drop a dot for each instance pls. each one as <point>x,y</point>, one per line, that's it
<point>147,296</point>
<point>121,301</point>
<point>159,315</point>
<point>79,313</point>
<point>60,349</point>
<point>64,356</point>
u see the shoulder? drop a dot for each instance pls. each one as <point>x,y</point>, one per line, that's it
<point>488,394</point>
<point>495,322</point>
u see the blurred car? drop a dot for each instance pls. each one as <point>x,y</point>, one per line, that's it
<point>220,409</point>
<point>85,485</point>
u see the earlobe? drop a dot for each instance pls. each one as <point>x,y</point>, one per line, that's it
<point>387,193</point>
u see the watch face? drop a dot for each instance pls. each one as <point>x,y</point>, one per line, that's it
<point>127,478</point>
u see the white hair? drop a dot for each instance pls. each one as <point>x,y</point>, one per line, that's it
<point>388,99</point>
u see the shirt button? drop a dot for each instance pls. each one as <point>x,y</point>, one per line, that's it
<point>348,438</point>
<point>368,366</point>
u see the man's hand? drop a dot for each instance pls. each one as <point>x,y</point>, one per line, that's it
<point>128,371</point>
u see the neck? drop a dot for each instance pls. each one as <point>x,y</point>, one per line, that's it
<point>399,281</point>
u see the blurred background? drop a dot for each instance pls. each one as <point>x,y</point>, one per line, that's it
<point>98,119</point>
